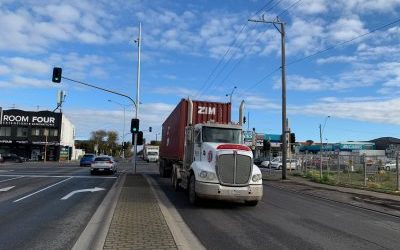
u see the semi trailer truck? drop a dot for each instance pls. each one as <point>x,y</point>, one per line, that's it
<point>203,152</point>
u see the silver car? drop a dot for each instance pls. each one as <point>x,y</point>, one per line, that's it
<point>103,163</point>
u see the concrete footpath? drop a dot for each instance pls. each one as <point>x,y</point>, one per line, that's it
<point>138,222</point>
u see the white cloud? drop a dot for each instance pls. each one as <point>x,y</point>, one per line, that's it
<point>25,82</point>
<point>312,7</point>
<point>4,69</point>
<point>346,28</point>
<point>300,83</point>
<point>380,111</point>
<point>151,114</point>
<point>27,65</point>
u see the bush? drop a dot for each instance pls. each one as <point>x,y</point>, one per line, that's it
<point>373,185</point>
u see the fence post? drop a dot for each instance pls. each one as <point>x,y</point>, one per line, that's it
<point>397,172</point>
<point>365,171</point>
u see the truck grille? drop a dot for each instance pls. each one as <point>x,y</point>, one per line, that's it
<point>234,169</point>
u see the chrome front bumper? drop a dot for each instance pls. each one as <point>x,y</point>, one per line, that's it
<point>218,192</point>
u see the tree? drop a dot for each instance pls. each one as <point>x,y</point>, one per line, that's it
<point>112,144</point>
<point>107,143</point>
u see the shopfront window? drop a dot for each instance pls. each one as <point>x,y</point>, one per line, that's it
<point>22,132</point>
<point>35,131</point>
<point>5,131</point>
<point>53,132</point>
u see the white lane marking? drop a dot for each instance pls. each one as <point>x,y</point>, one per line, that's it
<point>19,177</point>
<point>81,191</point>
<point>6,189</point>
<point>43,189</point>
<point>58,176</point>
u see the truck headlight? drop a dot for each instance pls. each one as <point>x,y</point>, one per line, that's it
<point>207,175</point>
<point>256,177</point>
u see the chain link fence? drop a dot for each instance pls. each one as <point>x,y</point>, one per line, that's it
<point>352,170</point>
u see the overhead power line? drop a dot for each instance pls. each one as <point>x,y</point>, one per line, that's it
<point>345,42</point>
<point>325,50</point>
<point>288,8</point>
<point>206,84</point>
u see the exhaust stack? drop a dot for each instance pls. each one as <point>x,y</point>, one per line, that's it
<point>241,110</point>
<point>190,112</point>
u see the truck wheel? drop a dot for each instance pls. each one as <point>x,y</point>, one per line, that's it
<point>193,198</point>
<point>251,203</point>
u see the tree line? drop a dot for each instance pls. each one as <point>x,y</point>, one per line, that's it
<point>104,142</point>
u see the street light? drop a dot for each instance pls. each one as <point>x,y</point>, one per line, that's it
<point>123,129</point>
<point>321,131</point>
<point>230,95</point>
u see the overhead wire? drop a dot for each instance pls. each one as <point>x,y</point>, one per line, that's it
<point>207,84</point>
<point>345,42</point>
<point>288,8</point>
<point>325,50</point>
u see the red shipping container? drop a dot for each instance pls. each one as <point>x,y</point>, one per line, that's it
<point>173,128</point>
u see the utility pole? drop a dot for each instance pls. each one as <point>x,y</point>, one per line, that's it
<point>139,42</point>
<point>281,30</point>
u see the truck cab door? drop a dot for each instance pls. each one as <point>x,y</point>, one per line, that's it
<point>189,147</point>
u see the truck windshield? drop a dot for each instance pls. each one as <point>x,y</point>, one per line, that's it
<point>152,153</point>
<point>225,135</point>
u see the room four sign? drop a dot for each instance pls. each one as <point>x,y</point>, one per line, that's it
<point>24,118</point>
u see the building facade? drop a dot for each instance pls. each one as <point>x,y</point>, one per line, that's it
<point>36,135</point>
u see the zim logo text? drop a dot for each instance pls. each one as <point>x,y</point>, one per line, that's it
<point>206,110</point>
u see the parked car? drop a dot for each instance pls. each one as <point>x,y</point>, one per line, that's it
<point>12,158</point>
<point>86,160</point>
<point>290,163</point>
<point>390,165</point>
<point>258,161</point>
<point>103,163</point>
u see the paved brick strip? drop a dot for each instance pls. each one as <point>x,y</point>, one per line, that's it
<point>138,222</point>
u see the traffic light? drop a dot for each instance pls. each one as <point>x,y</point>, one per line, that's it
<point>140,138</point>
<point>244,119</point>
<point>150,129</point>
<point>292,138</point>
<point>134,125</point>
<point>125,146</point>
<point>57,74</point>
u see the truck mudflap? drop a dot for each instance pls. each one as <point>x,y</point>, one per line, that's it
<point>218,192</point>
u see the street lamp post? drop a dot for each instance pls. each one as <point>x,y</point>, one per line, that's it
<point>230,95</point>
<point>321,131</point>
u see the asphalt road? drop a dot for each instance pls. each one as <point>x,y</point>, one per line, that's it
<point>33,214</point>
<point>285,220</point>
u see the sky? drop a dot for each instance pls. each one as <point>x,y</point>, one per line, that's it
<point>342,62</point>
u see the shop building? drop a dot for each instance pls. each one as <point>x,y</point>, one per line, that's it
<point>36,135</point>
